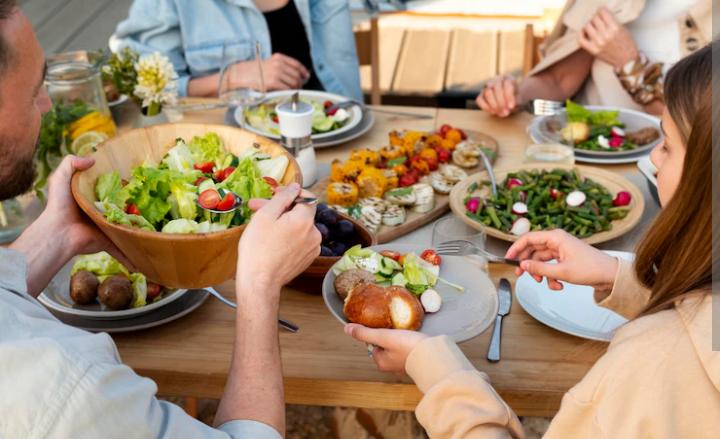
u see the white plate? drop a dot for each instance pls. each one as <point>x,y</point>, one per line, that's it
<point>318,96</point>
<point>633,120</point>
<point>611,160</point>
<point>463,315</point>
<point>572,310</point>
<point>57,297</point>
<point>173,311</point>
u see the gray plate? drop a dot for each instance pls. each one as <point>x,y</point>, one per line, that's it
<point>172,311</point>
<point>462,315</point>
<point>367,122</point>
<point>633,120</point>
<point>57,298</point>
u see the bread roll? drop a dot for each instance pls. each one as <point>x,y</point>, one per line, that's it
<point>368,305</point>
<point>378,307</point>
<point>406,311</point>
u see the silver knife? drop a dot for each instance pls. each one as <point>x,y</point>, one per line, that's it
<point>505,299</point>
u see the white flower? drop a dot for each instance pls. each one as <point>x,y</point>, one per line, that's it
<point>156,80</point>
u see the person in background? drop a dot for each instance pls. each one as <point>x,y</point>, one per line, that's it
<point>660,377</point>
<point>305,43</point>
<point>57,381</point>
<point>615,55</point>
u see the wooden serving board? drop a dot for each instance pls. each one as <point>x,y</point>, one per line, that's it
<point>415,220</point>
<point>612,181</point>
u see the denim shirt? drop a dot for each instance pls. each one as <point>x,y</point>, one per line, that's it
<point>192,33</point>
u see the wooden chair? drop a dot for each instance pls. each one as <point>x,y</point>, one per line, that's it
<point>367,42</point>
<point>531,55</point>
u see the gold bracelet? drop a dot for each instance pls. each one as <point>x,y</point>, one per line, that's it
<point>642,79</point>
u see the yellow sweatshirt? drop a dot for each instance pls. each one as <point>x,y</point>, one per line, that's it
<point>658,379</point>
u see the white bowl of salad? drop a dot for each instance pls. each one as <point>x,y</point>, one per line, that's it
<point>326,122</point>
<point>145,187</point>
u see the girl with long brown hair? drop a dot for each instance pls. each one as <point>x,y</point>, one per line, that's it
<point>660,377</point>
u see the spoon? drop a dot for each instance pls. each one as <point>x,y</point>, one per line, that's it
<point>238,202</point>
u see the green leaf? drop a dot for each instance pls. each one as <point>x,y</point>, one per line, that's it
<point>100,264</point>
<point>576,112</point>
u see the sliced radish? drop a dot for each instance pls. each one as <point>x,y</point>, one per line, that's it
<point>618,132</point>
<point>575,198</point>
<point>623,198</point>
<point>554,193</point>
<point>616,142</point>
<point>431,301</point>
<point>519,208</point>
<point>604,142</point>
<point>522,196</point>
<point>512,182</point>
<point>473,204</point>
<point>520,227</point>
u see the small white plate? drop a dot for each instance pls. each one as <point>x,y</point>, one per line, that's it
<point>57,297</point>
<point>463,315</point>
<point>611,160</point>
<point>572,310</point>
<point>319,96</point>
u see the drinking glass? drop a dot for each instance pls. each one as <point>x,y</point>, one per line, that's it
<point>549,153</point>
<point>234,89</point>
<point>451,228</point>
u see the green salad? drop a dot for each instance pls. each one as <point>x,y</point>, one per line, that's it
<point>263,117</point>
<point>164,197</point>
<point>596,130</point>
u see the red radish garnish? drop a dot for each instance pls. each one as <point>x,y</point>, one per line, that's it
<point>623,198</point>
<point>616,142</point>
<point>473,205</point>
<point>604,142</point>
<point>520,227</point>
<point>513,182</point>
<point>617,132</point>
<point>554,193</point>
<point>522,196</point>
<point>575,198</point>
<point>519,208</point>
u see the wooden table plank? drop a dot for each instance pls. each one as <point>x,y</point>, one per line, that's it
<point>96,33</point>
<point>422,63</point>
<point>68,21</point>
<point>473,59</point>
<point>322,366</point>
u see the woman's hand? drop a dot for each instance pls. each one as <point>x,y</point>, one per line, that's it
<point>278,244</point>
<point>608,40</point>
<point>392,346</point>
<point>578,262</point>
<point>499,97</point>
<point>280,72</point>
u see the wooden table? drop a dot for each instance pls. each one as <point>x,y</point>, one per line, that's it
<point>322,366</point>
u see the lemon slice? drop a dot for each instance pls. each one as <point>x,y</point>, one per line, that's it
<point>86,142</point>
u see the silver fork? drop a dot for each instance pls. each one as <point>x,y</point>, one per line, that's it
<point>348,104</point>
<point>543,107</point>
<point>464,248</point>
<point>283,323</point>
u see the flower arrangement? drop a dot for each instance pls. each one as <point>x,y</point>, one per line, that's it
<point>149,79</point>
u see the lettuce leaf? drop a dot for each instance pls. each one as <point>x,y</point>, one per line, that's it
<point>116,215</point>
<point>247,182</point>
<point>605,118</point>
<point>274,168</point>
<point>139,285</point>
<point>179,158</point>
<point>100,264</point>
<point>181,225</point>
<point>109,188</point>
<point>182,200</point>
<point>576,112</point>
<point>208,148</point>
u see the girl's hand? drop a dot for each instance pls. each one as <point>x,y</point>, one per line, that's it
<point>578,262</point>
<point>608,40</point>
<point>280,72</point>
<point>499,97</point>
<point>392,346</point>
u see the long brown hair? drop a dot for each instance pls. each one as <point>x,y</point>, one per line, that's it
<point>675,257</point>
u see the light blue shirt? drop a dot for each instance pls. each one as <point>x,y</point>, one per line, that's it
<point>192,34</point>
<point>61,382</point>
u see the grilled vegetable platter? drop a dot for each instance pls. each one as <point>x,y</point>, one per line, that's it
<point>405,184</point>
<point>589,203</point>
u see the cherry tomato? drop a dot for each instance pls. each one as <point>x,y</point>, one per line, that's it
<point>153,290</point>
<point>431,256</point>
<point>209,199</point>
<point>432,163</point>
<point>444,155</point>
<point>275,118</point>
<point>227,202</point>
<point>199,180</point>
<point>331,112</point>
<point>444,128</point>
<point>132,209</point>
<point>222,174</point>
<point>327,104</point>
<point>463,135</point>
<point>391,254</point>
<point>407,179</point>
<point>271,181</point>
<point>205,168</point>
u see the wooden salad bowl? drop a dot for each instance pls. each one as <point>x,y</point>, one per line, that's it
<point>173,260</point>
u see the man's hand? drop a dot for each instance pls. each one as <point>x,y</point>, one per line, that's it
<point>61,231</point>
<point>608,40</point>
<point>499,97</point>
<point>278,244</point>
<point>280,72</point>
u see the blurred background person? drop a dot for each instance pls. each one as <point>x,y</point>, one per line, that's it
<point>613,53</point>
<point>305,43</point>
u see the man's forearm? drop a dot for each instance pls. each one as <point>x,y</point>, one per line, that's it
<point>46,250</point>
<point>254,389</point>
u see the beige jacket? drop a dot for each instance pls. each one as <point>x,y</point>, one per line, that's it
<point>659,378</point>
<point>603,87</point>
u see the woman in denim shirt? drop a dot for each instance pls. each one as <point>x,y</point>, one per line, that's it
<point>192,35</point>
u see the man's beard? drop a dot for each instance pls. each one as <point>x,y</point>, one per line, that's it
<point>20,178</point>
